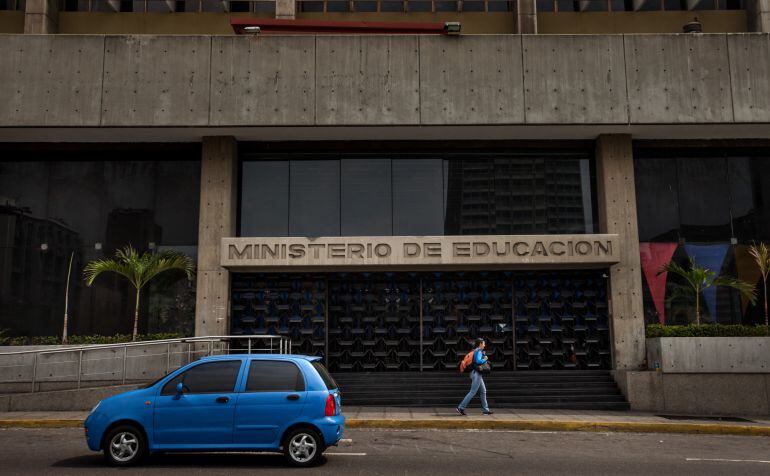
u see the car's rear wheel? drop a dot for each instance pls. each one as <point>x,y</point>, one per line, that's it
<point>303,447</point>
<point>124,445</point>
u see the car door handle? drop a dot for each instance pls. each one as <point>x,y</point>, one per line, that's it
<point>293,396</point>
<point>223,399</point>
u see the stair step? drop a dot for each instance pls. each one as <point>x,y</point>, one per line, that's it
<point>582,389</point>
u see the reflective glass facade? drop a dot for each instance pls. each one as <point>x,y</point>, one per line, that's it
<point>707,205</point>
<point>355,195</point>
<point>54,202</point>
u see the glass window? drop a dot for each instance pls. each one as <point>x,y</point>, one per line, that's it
<point>274,376</point>
<point>657,199</point>
<point>741,197</point>
<point>77,204</point>
<point>519,196</point>
<point>265,198</point>
<point>314,198</point>
<point>210,377</point>
<point>366,197</point>
<point>418,197</point>
<point>760,167</point>
<point>325,375</point>
<point>704,208</point>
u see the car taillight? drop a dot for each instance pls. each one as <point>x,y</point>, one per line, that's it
<point>331,406</point>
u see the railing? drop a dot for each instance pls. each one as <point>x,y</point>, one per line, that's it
<point>404,6</point>
<point>393,6</point>
<point>111,364</point>
<point>169,6</point>
<point>636,5</point>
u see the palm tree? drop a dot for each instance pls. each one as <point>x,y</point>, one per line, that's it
<point>761,256</point>
<point>698,279</point>
<point>139,269</point>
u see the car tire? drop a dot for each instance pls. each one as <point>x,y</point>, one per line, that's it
<point>124,445</point>
<point>303,447</point>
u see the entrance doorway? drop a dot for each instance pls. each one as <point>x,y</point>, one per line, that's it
<point>402,321</point>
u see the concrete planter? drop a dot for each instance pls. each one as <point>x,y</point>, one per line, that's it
<point>709,354</point>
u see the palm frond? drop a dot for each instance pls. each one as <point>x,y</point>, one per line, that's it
<point>167,261</point>
<point>94,268</point>
<point>693,276</point>
<point>747,290</point>
<point>761,256</point>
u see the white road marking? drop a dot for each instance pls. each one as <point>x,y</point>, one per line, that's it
<point>729,460</point>
<point>345,454</point>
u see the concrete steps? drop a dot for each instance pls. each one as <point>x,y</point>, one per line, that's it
<point>584,390</point>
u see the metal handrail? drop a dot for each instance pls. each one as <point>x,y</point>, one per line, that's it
<point>144,342</point>
<point>284,347</point>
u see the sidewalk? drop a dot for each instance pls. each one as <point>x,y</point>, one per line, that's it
<point>503,419</point>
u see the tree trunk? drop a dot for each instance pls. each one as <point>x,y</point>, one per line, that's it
<point>136,316</point>
<point>764,280</point>
<point>67,302</point>
<point>697,307</point>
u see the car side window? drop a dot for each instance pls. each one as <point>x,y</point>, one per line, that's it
<point>211,377</point>
<point>274,376</point>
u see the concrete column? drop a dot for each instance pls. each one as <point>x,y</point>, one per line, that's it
<point>525,16</point>
<point>285,9</point>
<point>758,15</point>
<point>41,17</point>
<point>219,186</point>
<point>617,214</point>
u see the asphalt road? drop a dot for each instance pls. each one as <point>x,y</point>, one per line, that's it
<point>444,452</point>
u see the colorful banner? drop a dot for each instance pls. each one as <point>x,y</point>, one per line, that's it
<point>747,271</point>
<point>654,256</point>
<point>710,257</point>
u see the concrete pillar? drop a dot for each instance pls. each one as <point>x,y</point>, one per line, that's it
<point>525,16</point>
<point>41,17</point>
<point>616,195</point>
<point>285,9</point>
<point>758,15</point>
<point>219,188</point>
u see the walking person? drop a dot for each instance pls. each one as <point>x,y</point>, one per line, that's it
<point>477,381</point>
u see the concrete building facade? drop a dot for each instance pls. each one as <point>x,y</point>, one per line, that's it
<point>384,198</point>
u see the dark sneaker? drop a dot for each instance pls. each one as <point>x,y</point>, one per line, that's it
<point>489,413</point>
<point>460,411</point>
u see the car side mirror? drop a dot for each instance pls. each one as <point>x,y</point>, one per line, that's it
<point>179,389</point>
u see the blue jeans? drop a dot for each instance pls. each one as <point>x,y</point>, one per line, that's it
<point>477,385</point>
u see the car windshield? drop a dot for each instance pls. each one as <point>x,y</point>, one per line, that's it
<point>325,376</point>
<point>155,381</point>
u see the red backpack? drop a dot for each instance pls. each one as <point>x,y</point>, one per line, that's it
<point>467,360</point>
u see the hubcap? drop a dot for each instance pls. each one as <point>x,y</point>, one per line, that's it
<point>302,447</point>
<point>124,446</point>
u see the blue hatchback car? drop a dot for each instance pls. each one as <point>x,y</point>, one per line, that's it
<point>261,402</point>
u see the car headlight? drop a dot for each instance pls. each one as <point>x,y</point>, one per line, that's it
<point>97,406</point>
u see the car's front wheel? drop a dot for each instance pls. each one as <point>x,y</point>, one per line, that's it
<point>124,445</point>
<point>303,447</point>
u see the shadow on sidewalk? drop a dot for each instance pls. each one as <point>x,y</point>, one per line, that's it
<point>186,460</point>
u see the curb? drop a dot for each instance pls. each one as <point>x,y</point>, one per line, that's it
<point>548,425</point>
<point>520,425</point>
<point>41,423</point>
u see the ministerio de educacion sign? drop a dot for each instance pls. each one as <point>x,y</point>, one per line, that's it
<point>350,252</point>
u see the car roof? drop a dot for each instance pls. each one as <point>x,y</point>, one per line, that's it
<point>309,358</point>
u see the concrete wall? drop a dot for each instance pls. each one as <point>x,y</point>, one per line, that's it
<point>710,354</point>
<point>616,196</point>
<point>62,400</point>
<point>219,190</point>
<point>98,366</point>
<point>187,81</point>
<point>726,394</point>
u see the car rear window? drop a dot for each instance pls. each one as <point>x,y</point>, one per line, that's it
<point>274,376</point>
<point>325,376</point>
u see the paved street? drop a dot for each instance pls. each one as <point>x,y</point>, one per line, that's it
<point>63,451</point>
